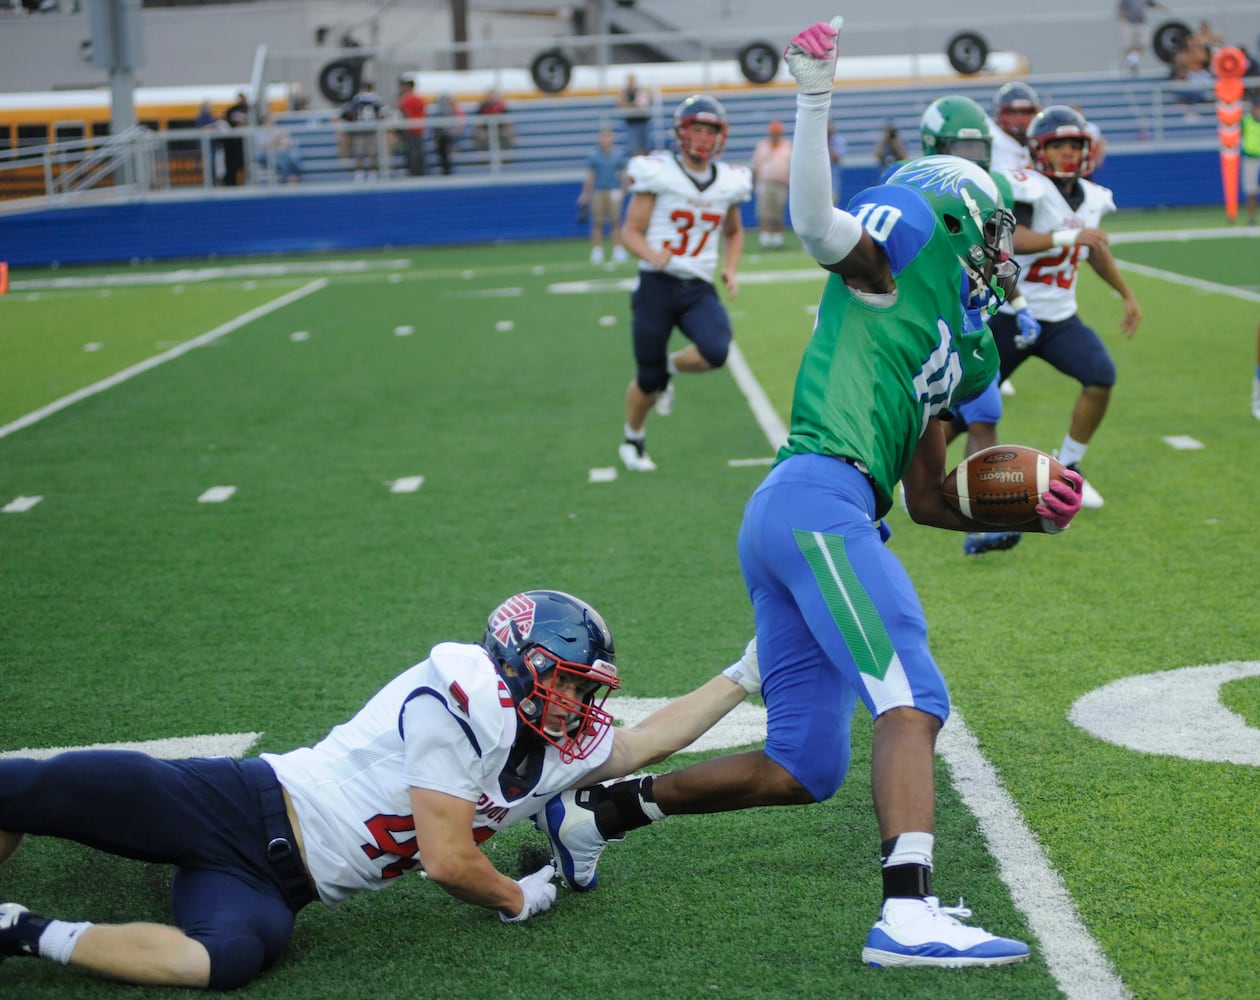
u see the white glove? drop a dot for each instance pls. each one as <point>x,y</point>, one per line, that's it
<point>746,672</point>
<point>539,892</point>
<point>811,57</point>
<point>1029,329</point>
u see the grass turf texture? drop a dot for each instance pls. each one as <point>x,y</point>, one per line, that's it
<point>129,611</point>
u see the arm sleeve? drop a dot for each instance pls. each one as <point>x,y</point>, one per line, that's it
<point>826,233</point>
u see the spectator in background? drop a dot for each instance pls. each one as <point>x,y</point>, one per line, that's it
<point>236,116</point>
<point>1191,65</point>
<point>279,154</point>
<point>771,164</point>
<point>210,122</point>
<point>889,148</point>
<point>412,108</point>
<point>836,148</point>
<point>635,104</point>
<point>492,104</point>
<point>364,109</point>
<point>1251,159</point>
<point>602,191</point>
<point>448,129</point>
<point>1209,36</point>
<point>1132,15</point>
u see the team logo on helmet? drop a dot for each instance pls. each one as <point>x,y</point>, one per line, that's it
<point>513,620</point>
<point>949,175</point>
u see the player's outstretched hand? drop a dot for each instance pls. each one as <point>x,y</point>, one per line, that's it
<point>1029,329</point>
<point>539,894</point>
<point>811,56</point>
<point>1061,503</point>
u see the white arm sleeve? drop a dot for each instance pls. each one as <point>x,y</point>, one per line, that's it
<point>826,232</point>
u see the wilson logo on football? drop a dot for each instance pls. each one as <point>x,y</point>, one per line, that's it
<point>518,610</point>
<point>1000,475</point>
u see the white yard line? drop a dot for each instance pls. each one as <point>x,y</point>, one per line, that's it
<point>158,359</point>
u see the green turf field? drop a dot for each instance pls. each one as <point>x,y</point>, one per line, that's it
<point>130,611</point>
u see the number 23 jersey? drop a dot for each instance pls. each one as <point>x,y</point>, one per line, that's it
<point>1048,277</point>
<point>688,214</point>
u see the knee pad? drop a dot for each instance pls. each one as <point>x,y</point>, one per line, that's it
<point>714,353</point>
<point>652,379</point>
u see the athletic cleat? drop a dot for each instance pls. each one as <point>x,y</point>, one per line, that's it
<point>977,543</point>
<point>619,254</point>
<point>576,841</point>
<point>664,404</point>
<point>1006,387</point>
<point>634,457</point>
<point>922,932</point>
<point>597,255</point>
<point>1090,497</point>
<point>1255,399</point>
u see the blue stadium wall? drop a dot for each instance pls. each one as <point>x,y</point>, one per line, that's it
<point>302,220</point>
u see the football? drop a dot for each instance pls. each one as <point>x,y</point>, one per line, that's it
<point>1002,486</point>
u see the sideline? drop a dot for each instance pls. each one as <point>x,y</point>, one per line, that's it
<point>158,359</point>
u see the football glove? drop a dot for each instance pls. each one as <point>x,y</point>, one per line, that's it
<point>811,56</point>
<point>1029,329</point>
<point>745,671</point>
<point>539,893</point>
<point>1061,503</point>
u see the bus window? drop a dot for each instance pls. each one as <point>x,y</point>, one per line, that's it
<point>100,130</point>
<point>32,135</point>
<point>6,137</point>
<point>69,130</point>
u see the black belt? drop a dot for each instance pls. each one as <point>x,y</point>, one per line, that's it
<point>282,849</point>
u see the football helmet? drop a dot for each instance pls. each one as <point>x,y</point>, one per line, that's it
<point>968,205</point>
<point>958,126</point>
<point>1013,105</point>
<point>1060,122</point>
<point>700,144</point>
<point>540,638</point>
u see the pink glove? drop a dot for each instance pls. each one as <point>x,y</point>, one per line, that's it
<point>816,41</point>
<point>1061,503</point>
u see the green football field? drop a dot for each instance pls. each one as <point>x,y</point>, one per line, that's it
<point>239,498</point>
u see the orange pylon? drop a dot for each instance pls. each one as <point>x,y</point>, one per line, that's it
<point>1229,65</point>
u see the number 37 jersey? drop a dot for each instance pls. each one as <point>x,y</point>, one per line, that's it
<point>1048,277</point>
<point>688,214</point>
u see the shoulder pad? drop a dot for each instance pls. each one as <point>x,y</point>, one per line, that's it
<point>646,172</point>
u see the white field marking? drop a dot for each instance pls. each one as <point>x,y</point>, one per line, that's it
<point>608,321</point>
<point>206,338</point>
<point>174,748</point>
<point>1174,713</point>
<point>1185,235</point>
<point>405,330</point>
<point>1073,956</point>
<point>606,474</point>
<point>407,484</point>
<point>217,494</point>
<point>537,270</point>
<point>1183,443</point>
<point>298,336</point>
<point>193,275</point>
<point>249,286</point>
<point>770,422</point>
<point>485,293</point>
<point>96,345</point>
<point>504,325</point>
<point>20,505</point>
<point>394,279</point>
<point>1188,282</point>
<point>745,725</point>
<point>740,463</point>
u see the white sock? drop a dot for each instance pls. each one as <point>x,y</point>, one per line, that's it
<point>671,365</point>
<point>59,938</point>
<point>1072,451</point>
<point>911,849</point>
<point>633,435</point>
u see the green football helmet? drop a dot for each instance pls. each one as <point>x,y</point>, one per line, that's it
<point>969,207</point>
<point>958,126</point>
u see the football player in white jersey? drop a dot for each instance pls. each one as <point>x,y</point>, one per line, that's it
<point>1014,106</point>
<point>683,217</point>
<point>1059,213</point>
<point>472,739</point>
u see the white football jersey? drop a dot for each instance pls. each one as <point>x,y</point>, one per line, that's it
<point>1047,278</point>
<point>688,215</point>
<point>1007,153</point>
<point>446,724</point>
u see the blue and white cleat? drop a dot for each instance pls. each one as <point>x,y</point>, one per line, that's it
<point>922,932</point>
<point>977,543</point>
<point>576,842</point>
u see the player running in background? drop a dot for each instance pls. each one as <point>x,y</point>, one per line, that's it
<point>957,126</point>
<point>1255,386</point>
<point>683,207</point>
<point>1014,106</point>
<point>474,738</point>
<point>1059,213</point>
<point>837,617</point>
